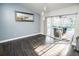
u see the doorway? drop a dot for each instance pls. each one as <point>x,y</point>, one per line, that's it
<point>61,27</point>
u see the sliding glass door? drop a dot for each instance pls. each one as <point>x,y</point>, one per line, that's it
<point>61,27</point>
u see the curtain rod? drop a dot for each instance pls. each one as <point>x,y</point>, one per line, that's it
<point>62,15</point>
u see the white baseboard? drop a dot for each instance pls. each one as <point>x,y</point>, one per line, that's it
<point>18,37</point>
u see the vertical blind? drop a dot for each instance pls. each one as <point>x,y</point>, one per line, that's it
<point>62,21</point>
<point>59,22</point>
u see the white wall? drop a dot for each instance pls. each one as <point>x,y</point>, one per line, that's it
<point>67,10</point>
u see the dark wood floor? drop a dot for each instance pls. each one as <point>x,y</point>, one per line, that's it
<point>39,45</point>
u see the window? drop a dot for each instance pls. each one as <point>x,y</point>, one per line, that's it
<point>60,24</point>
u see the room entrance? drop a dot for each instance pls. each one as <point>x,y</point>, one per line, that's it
<point>61,27</point>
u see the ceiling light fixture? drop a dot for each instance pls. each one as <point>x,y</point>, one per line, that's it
<point>45,8</point>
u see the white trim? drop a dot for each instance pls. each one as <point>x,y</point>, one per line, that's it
<point>18,38</point>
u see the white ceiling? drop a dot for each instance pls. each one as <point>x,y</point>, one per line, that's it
<point>39,7</point>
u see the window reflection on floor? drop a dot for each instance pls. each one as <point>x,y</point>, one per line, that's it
<point>53,48</point>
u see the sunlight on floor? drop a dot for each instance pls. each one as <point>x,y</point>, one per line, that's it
<point>52,50</point>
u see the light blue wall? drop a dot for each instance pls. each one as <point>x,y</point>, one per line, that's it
<point>11,28</point>
<point>0,21</point>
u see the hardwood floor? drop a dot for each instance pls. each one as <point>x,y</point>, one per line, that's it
<point>39,45</point>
